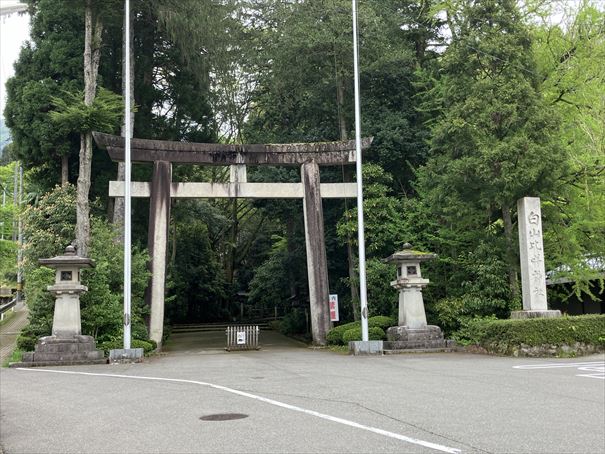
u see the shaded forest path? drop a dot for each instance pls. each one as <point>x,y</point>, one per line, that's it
<point>10,330</point>
<point>211,338</point>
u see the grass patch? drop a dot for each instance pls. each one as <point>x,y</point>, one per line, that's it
<point>15,357</point>
<point>7,316</point>
<point>340,349</point>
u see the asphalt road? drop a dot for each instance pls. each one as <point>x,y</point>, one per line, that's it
<point>307,401</point>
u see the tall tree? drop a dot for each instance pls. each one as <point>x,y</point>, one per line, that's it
<point>49,64</point>
<point>569,56</point>
<point>93,28</point>
<point>495,140</point>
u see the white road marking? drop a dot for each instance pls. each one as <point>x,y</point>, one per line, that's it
<point>598,367</point>
<point>276,403</point>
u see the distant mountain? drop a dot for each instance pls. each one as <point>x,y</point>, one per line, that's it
<point>5,137</point>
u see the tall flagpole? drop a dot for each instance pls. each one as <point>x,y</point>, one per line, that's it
<point>363,297</point>
<point>128,135</point>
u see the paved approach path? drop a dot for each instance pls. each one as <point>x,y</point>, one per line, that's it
<point>9,332</point>
<point>208,342</point>
<point>308,401</point>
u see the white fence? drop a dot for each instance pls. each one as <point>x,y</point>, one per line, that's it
<point>242,337</point>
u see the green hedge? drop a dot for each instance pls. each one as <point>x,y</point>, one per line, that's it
<point>502,336</point>
<point>354,334</point>
<point>335,335</point>
<point>147,345</point>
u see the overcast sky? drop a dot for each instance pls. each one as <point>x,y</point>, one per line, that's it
<point>14,31</point>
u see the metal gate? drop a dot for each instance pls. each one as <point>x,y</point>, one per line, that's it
<point>242,337</point>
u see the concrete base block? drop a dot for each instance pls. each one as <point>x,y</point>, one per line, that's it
<point>365,348</point>
<point>126,355</point>
<point>535,314</point>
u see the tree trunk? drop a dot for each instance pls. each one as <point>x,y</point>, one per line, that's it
<point>118,207</point>
<point>511,255</point>
<point>340,101</point>
<point>64,170</point>
<point>291,251</point>
<point>232,245</point>
<point>347,176</point>
<point>92,54</point>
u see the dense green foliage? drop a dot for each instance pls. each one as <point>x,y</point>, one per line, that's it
<point>472,104</point>
<point>502,336</point>
<point>49,226</point>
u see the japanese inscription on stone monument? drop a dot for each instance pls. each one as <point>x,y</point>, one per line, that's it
<point>532,254</point>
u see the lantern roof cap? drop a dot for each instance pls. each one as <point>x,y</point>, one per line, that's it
<point>69,258</point>
<point>407,254</point>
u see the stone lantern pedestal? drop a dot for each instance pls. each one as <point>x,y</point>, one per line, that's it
<point>66,345</point>
<point>413,331</point>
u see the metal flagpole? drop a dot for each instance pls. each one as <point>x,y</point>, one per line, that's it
<point>127,223</point>
<point>363,297</point>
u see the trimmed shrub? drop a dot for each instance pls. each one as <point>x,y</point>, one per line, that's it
<point>26,343</point>
<point>454,313</point>
<point>381,321</point>
<point>354,334</point>
<point>506,336</point>
<point>147,345</point>
<point>335,335</point>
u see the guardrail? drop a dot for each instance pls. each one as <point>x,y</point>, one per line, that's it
<point>242,337</point>
<point>6,307</point>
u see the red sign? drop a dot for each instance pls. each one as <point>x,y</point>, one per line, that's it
<point>333,308</point>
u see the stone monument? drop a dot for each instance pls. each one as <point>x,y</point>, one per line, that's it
<point>66,345</point>
<point>533,277</point>
<point>413,331</point>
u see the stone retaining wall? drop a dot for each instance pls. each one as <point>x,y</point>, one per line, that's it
<point>541,351</point>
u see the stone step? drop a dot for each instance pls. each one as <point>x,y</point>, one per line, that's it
<point>419,350</point>
<point>62,356</point>
<point>58,363</point>
<point>402,345</point>
<point>210,328</point>
<point>60,347</point>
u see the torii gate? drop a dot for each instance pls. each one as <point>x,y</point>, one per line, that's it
<point>308,155</point>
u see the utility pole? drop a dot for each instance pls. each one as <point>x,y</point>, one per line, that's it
<point>127,214</point>
<point>363,297</point>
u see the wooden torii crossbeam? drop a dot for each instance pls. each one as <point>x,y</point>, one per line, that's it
<point>307,155</point>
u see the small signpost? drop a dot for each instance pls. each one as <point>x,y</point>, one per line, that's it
<point>334,308</point>
<point>241,337</point>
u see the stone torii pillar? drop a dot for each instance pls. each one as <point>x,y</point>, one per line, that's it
<point>157,241</point>
<point>317,263</point>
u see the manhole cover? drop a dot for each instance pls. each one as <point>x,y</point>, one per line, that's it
<point>223,417</point>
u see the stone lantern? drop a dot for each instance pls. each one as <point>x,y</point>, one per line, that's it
<point>67,290</point>
<point>66,345</point>
<point>413,331</point>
